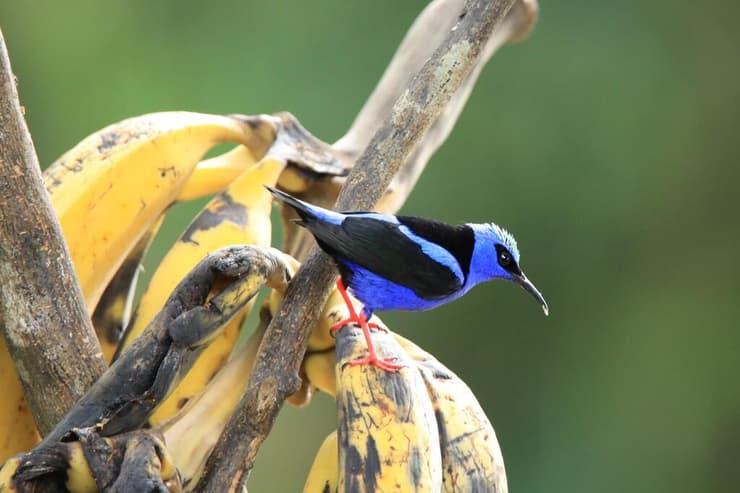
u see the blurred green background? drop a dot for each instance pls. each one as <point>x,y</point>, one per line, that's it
<point>607,142</point>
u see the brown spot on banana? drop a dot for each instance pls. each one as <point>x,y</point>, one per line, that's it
<point>388,439</point>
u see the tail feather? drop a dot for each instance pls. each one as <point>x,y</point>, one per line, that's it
<point>304,210</point>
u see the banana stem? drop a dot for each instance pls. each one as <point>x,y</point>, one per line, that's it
<point>275,375</point>
<point>42,313</point>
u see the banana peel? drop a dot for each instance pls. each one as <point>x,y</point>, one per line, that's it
<point>212,294</point>
<point>88,462</point>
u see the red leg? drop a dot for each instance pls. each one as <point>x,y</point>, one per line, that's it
<point>372,357</point>
<point>353,317</point>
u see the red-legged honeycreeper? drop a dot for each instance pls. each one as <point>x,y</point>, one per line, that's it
<point>407,263</point>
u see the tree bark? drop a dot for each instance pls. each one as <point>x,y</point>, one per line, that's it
<point>275,375</point>
<point>42,314</point>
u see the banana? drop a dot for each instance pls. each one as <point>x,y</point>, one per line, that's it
<point>471,456</point>
<point>323,477</point>
<point>111,187</point>
<point>129,462</point>
<point>319,371</point>
<point>114,308</point>
<point>6,475</point>
<point>192,433</point>
<point>17,428</point>
<point>388,439</point>
<point>213,175</point>
<point>241,214</point>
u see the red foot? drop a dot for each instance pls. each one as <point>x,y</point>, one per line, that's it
<point>374,326</point>
<point>371,358</point>
<point>349,321</point>
<point>344,323</point>
<point>382,363</point>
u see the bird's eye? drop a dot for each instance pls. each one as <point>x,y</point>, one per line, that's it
<point>504,259</point>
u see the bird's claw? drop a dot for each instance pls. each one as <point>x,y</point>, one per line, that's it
<point>382,363</point>
<point>374,326</point>
<point>347,321</point>
<point>343,323</point>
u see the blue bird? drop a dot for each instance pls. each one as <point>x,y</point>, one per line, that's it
<point>407,263</point>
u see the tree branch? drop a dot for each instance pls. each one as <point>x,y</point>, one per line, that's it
<point>275,375</point>
<point>42,313</point>
<point>425,34</point>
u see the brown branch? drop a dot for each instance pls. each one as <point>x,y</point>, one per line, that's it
<point>42,312</point>
<point>275,375</point>
<point>425,34</point>
<point>516,25</point>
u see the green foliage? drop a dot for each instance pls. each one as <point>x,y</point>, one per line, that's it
<point>607,143</point>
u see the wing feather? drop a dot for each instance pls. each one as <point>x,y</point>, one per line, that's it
<point>382,247</point>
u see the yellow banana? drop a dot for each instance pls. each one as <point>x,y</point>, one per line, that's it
<point>324,473</point>
<point>111,187</point>
<point>6,474</point>
<point>387,431</point>
<point>471,456</point>
<point>86,467</point>
<point>79,476</point>
<point>241,214</point>
<point>114,308</point>
<point>319,370</point>
<point>213,175</point>
<point>17,428</point>
<point>321,337</point>
<point>192,433</point>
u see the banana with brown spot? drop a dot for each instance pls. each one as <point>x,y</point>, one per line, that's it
<point>239,215</point>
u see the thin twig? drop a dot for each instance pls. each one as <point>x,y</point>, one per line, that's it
<point>42,312</point>
<point>275,375</point>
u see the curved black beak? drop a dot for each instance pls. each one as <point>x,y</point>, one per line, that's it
<point>522,280</point>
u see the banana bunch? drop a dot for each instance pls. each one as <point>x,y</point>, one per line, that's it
<point>111,193</point>
<point>101,443</point>
<point>177,373</point>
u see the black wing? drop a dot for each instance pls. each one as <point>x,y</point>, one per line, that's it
<point>382,248</point>
<point>458,240</point>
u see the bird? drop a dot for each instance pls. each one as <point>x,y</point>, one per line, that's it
<point>406,262</point>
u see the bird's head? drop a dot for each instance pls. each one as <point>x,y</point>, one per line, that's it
<point>496,256</point>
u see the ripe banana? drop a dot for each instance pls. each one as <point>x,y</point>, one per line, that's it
<point>113,312</point>
<point>111,187</point>
<point>136,461</point>
<point>319,370</point>
<point>213,175</point>
<point>388,438</point>
<point>471,456</point>
<point>17,428</point>
<point>240,215</point>
<point>192,433</point>
<point>324,474</point>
